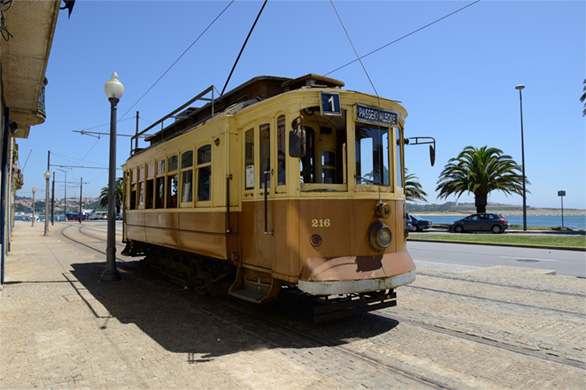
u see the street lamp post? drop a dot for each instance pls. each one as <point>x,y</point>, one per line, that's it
<point>114,90</point>
<point>519,88</point>
<point>34,190</point>
<point>47,177</point>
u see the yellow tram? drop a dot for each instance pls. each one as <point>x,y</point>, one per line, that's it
<point>278,184</point>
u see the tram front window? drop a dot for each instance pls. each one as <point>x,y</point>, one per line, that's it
<point>372,155</point>
<point>324,162</point>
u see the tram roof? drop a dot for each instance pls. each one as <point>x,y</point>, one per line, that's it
<point>254,90</point>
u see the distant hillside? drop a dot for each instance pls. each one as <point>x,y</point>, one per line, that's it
<point>469,208</point>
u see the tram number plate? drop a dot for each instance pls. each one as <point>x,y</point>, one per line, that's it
<point>330,104</point>
<point>321,223</point>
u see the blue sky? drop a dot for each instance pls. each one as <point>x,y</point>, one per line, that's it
<point>456,78</point>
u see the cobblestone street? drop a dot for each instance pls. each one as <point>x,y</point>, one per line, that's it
<point>493,328</point>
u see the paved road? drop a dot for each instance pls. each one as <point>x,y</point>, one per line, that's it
<point>461,256</point>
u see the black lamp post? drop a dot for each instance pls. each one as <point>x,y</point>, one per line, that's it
<point>520,87</point>
<point>33,190</point>
<point>114,90</point>
<point>47,177</point>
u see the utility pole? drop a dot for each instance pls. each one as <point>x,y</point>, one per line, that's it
<point>80,199</point>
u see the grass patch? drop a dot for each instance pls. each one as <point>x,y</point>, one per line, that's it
<point>545,240</point>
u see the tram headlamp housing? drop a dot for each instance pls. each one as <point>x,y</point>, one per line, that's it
<point>383,210</point>
<point>379,236</point>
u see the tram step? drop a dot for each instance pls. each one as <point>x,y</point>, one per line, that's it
<point>247,295</point>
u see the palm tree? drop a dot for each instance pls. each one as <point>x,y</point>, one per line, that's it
<point>480,171</point>
<point>413,189</point>
<point>104,195</point>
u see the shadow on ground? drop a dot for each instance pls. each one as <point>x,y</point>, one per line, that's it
<point>183,322</point>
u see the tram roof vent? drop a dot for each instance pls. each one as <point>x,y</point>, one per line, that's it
<point>311,80</point>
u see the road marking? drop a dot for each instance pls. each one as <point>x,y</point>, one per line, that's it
<point>527,258</point>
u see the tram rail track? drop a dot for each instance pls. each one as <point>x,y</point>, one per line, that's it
<point>428,382</point>
<point>483,340</point>
<point>485,299</point>
<point>248,313</point>
<point>579,295</point>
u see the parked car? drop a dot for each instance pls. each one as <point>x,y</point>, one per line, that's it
<point>495,223</point>
<point>419,224</point>
<point>98,215</point>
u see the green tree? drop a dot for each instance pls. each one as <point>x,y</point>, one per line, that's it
<point>413,189</point>
<point>119,192</point>
<point>480,171</point>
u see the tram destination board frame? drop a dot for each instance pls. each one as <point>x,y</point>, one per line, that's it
<point>375,115</point>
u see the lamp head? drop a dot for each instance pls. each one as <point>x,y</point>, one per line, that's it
<point>520,87</point>
<point>114,88</point>
<point>47,175</point>
<point>34,190</point>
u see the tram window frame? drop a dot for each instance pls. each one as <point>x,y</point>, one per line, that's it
<point>249,155</point>
<point>149,201</point>
<point>186,177</point>
<point>264,135</point>
<point>141,187</point>
<point>172,182</point>
<point>399,157</point>
<point>132,189</point>
<point>324,134</point>
<point>204,175</point>
<point>377,158</point>
<point>160,184</point>
<point>281,150</point>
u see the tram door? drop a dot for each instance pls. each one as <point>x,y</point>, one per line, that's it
<point>258,248</point>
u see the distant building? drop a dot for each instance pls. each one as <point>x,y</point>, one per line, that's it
<point>27,30</point>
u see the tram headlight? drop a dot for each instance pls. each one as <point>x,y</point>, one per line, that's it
<point>379,236</point>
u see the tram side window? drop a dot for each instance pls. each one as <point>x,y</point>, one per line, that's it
<point>249,159</point>
<point>160,185</point>
<point>132,205</point>
<point>187,176</point>
<point>281,134</point>
<point>141,186</point>
<point>150,186</point>
<point>204,173</point>
<point>172,182</point>
<point>160,196</point>
<point>265,154</point>
<point>372,155</point>
<point>398,155</point>
<point>149,194</point>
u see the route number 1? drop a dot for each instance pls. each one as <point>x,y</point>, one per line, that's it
<point>330,104</point>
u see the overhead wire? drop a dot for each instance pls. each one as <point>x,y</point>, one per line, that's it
<point>243,46</point>
<point>403,37</point>
<point>179,58</point>
<point>381,164</point>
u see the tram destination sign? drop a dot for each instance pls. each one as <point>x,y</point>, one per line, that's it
<point>370,114</point>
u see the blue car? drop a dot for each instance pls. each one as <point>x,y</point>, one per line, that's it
<point>419,224</point>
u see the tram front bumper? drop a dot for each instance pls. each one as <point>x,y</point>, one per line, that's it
<point>356,274</point>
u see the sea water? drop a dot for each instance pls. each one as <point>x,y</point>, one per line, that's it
<point>570,221</point>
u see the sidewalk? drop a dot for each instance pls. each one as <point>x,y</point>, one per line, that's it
<point>61,328</point>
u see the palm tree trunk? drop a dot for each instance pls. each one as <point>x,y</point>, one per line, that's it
<point>480,201</point>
